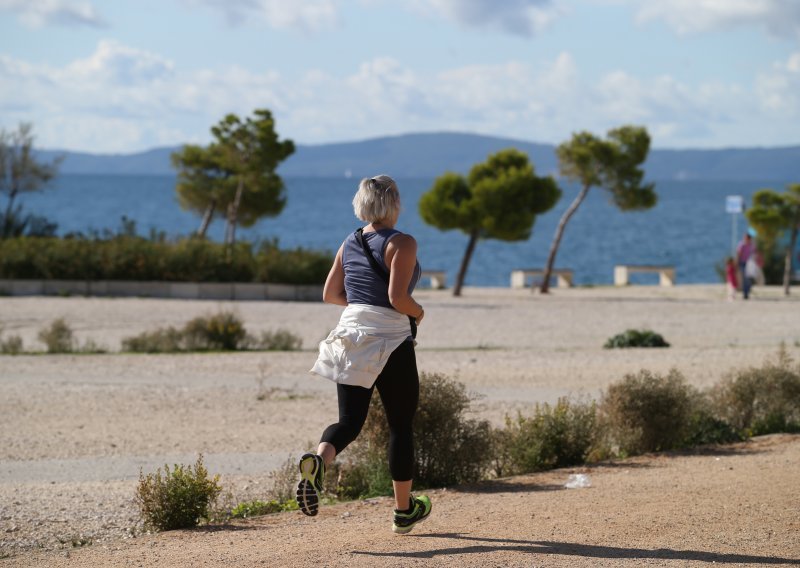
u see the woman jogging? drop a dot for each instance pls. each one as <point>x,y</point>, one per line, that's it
<point>373,275</point>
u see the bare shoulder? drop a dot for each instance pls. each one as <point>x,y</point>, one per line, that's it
<point>403,242</point>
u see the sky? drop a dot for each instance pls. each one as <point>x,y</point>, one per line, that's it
<point>120,76</point>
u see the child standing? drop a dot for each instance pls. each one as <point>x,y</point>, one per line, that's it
<point>731,277</point>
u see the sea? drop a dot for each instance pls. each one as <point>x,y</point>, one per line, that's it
<point>689,228</point>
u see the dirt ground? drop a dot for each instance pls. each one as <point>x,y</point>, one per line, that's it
<point>75,430</point>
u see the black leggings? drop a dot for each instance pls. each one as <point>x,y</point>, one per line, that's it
<point>398,386</point>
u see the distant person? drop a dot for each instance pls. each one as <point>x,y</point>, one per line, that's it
<point>731,277</point>
<point>373,275</point>
<point>744,252</point>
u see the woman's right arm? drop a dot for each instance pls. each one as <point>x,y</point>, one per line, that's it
<point>333,292</point>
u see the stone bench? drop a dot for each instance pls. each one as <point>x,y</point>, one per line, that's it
<point>666,274</point>
<point>438,278</point>
<point>520,276</point>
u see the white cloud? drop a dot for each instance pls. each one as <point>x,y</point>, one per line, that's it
<point>779,88</point>
<point>307,15</point>
<point>778,17</point>
<point>519,17</point>
<point>39,13</point>
<point>120,98</point>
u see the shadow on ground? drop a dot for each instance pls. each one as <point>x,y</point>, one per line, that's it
<point>575,549</point>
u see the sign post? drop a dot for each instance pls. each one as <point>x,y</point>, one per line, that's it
<point>734,204</point>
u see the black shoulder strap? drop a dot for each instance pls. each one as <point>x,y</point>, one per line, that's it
<point>381,271</point>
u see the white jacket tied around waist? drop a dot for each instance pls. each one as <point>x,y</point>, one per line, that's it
<point>356,351</point>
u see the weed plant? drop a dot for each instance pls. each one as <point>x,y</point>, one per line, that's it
<point>58,337</point>
<point>647,412</point>
<point>761,400</point>
<point>177,499</point>
<point>11,345</point>
<point>223,331</point>
<point>636,338</point>
<point>554,436</point>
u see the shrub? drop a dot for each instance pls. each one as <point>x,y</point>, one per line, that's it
<point>636,338</point>
<point>761,400</point>
<point>223,331</point>
<point>257,508</point>
<point>647,412</point>
<point>450,448</point>
<point>178,499</point>
<point>166,340</point>
<point>555,436</point>
<point>278,340</point>
<point>58,338</point>
<point>294,266</point>
<point>11,345</point>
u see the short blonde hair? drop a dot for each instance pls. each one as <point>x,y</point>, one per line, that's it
<point>377,199</point>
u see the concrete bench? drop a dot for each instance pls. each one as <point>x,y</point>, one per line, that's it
<point>438,278</point>
<point>519,277</point>
<point>666,274</point>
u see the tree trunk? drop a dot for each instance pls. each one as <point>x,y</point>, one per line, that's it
<point>787,265</point>
<point>233,213</point>
<point>207,216</point>
<point>7,219</point>
<point>562,224</point>
<point>462,272</point>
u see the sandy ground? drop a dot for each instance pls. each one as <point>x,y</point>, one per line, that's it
<point>76,429</point>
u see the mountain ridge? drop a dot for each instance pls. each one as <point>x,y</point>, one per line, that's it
<point>431,154</point>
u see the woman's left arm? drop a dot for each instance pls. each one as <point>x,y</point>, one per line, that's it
<point>333,292</point>
<point>401,254</point>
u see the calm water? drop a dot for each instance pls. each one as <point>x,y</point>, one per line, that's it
<point>688,228</point>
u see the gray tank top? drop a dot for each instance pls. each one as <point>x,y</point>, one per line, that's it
<point>362,284</point>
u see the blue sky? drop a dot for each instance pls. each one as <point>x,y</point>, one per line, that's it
<point>124,75</point>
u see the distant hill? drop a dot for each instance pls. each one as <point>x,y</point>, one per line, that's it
<point>428,155</point>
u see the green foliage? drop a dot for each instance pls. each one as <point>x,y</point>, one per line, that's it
<point>499,199</point>
<point>636,338</point>
<point>646,412</point>
<point>554,436</point>
<point>278,340</point>
<point>223,331</point>
<point>296,266</point>
<point>613,164</point>
<point>11,345</point>
<point>258,508</point>
<point>177,499</point>
<point>761,400</point>
<point>21,172</point>
<point>235,175</point>
<point>126,257</point>
<point>165,340</point>
<point>58,337</point>
<point>774,215</point>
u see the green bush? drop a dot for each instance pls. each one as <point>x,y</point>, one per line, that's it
<point>449,447</point>
<point>166,340</point>
<point>223,331</point>
<point>636,338</point>
<point>11,345</point>
<point>646,412</point>
<point>278,340</point>
<point>127,256</point>
<point>58,337</point>
<point>258,508</point>
<point>761,400</point>
<point>555,436</point>
<point>177,499</point>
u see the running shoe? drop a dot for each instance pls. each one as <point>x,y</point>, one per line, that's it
<point>404,521</point>
<point>309,490</point>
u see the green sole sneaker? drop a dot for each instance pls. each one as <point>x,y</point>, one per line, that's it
<point>309,490</point>
<point>420,509</point>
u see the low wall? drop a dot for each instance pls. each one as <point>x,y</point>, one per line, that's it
<point>181,290</point>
